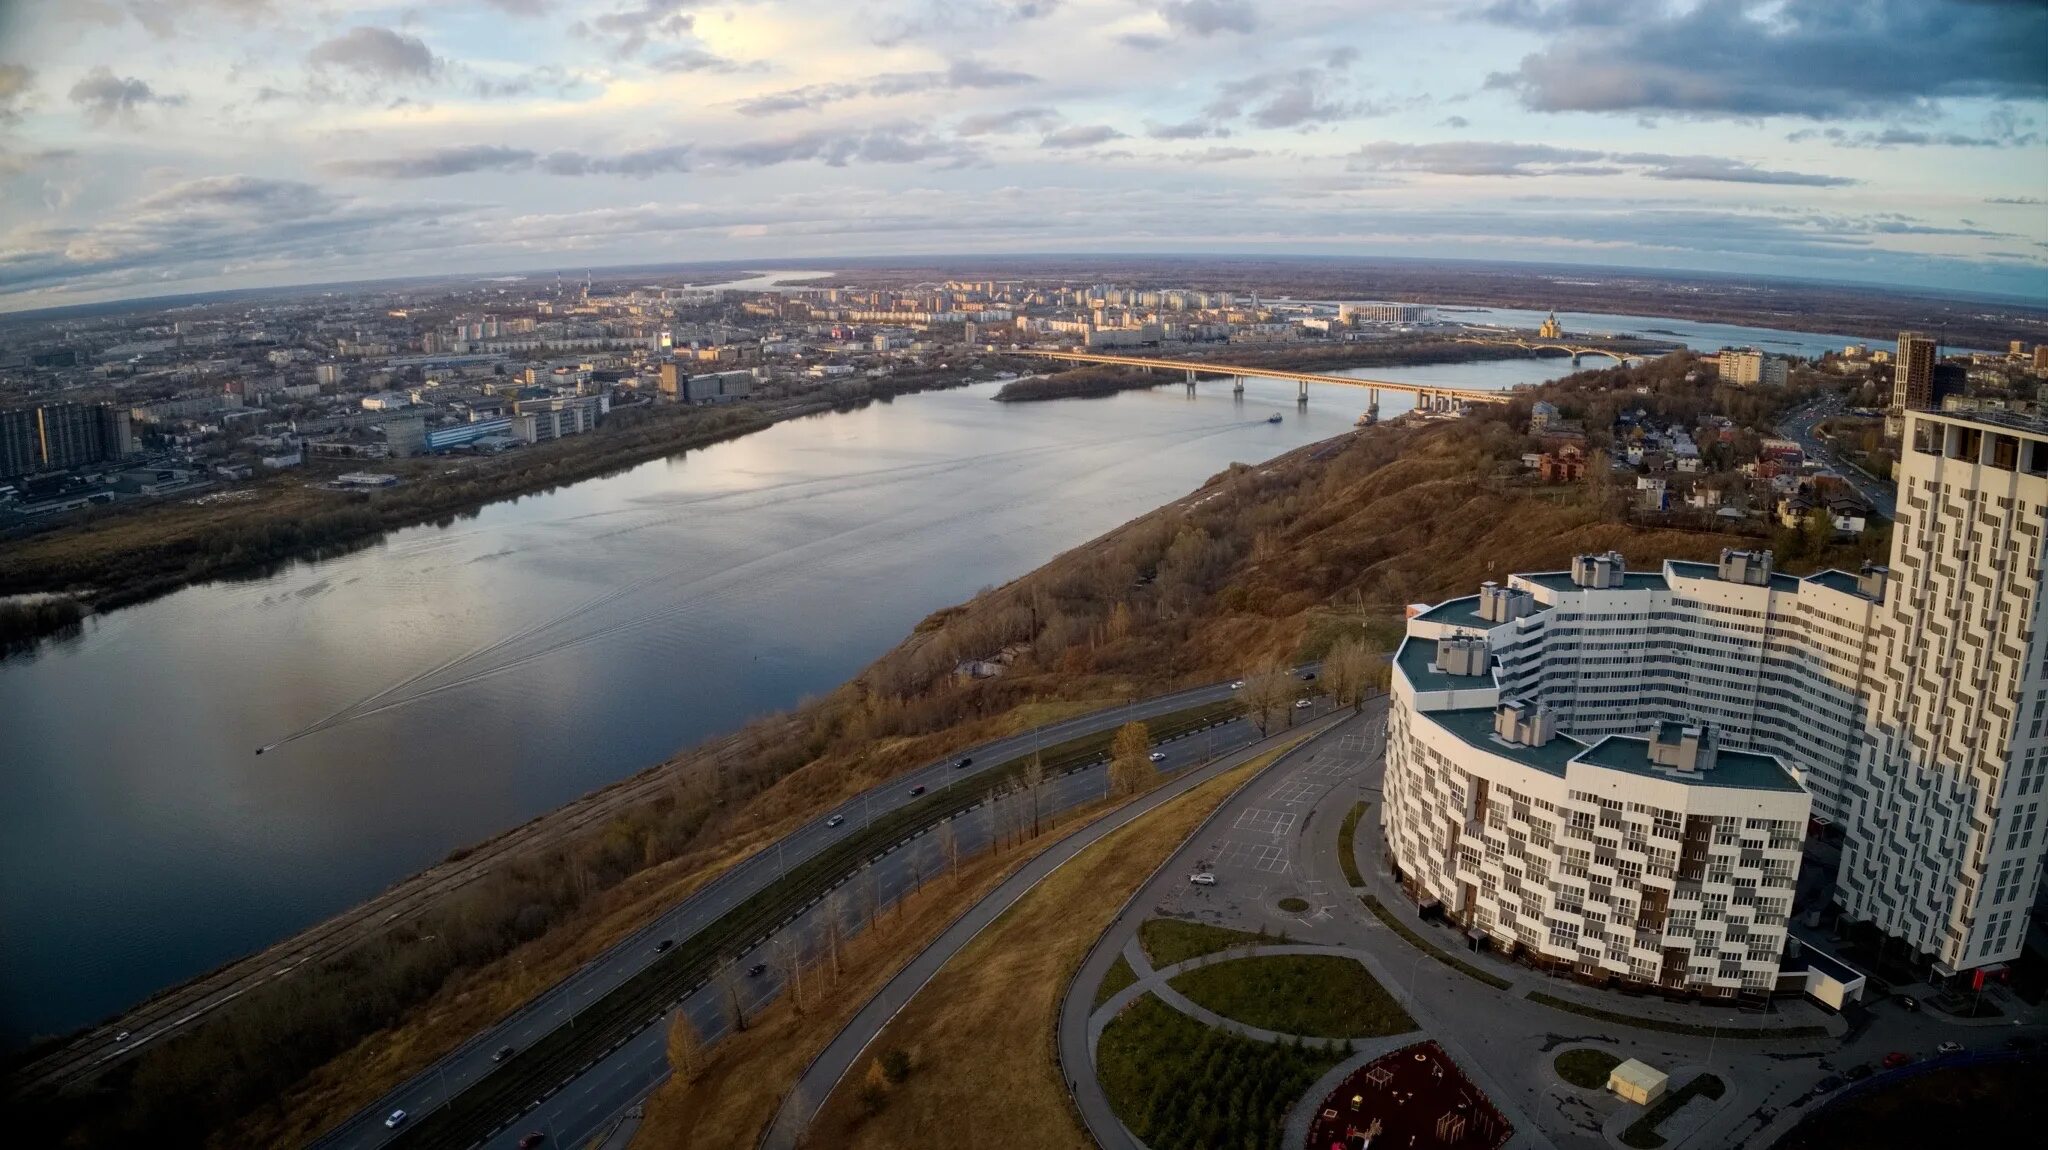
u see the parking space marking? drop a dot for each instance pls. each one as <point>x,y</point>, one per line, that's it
<point>1265,822</point>
<point>1352,743</point>
<point>1253,856</point>
<point>1329,768</point>
<point>1297,792</point>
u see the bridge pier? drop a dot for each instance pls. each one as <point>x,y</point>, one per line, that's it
<point>1237,386</point>
<point>1372,409</point>
<point>1301,400</point>
<point>1191,381</point>
<point>1575,359</point>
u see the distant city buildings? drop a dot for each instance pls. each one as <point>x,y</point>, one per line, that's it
<point>56,436</point>
<point>1748,367</point>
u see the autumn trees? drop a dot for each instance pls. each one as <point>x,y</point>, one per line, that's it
<point>1130,760</point>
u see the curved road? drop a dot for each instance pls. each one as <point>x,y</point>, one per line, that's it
<point>802,1103</point>
<point>617,1080</point>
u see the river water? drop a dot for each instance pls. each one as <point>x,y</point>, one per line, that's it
<point>455,681</point>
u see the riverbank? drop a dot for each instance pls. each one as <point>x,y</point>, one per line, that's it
<point>1091,382</point>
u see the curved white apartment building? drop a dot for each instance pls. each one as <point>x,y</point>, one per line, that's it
<point>1614,770</point>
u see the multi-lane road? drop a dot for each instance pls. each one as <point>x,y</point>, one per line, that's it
<point>577,1108</point>
<point>1798,426</point>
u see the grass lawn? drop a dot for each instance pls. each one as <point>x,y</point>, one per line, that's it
<point>1181,1086</point>
<point>1170,940</point>
<point>1347,843</point>
<point>1983,1105</point>
<point>1318,995</point>
<point>1118,976</point>
<point>1293,905</point>
<point>1586,1067</point>
<point>1642,1133</point>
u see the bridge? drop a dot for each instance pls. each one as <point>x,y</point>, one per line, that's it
<point>1428,397</point>
<point>1574,350</point>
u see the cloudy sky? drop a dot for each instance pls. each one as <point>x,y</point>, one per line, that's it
<point>157,146</point>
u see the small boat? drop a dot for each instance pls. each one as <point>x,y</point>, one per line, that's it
<point>1273,418</point>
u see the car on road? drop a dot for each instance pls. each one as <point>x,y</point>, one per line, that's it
<point>531,1139</point>
<point>835,820</point>
<point>121,1037</point>
<point>917,790</point>
<point>757,970</point>
<point>664,944</point>
<point>397,1117</point>
<point>965,762</point>
<point>1949,1047</point>
<point>1896,1059</point>
<point>1858,1072</point>
<point>1308,676</point>
<point>501,1054</point>
<point>1906,1002</point>
<point>1202,878</point>
<point>1158,756</point>
<point>1237,684</point>
<point>1302,704</point>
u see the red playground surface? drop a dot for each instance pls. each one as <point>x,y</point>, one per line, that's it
<point>1413,1098</point>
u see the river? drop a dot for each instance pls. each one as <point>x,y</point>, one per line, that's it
<point>491,670</point>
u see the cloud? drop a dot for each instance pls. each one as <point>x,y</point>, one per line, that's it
<point>630,29</point>
<point>376,52</point>
<point>1144,41</point>
<point>1081,136</point>
<point>1219,155</point>
<point>699,60</point>
<point>1454,122</point>
<point>1478,158</point>
<point>2030,201</point>
<point>972,19</point>
<point>520,7</point>
<point>15,82</point>
<point>456,160</point>
<point>1000,123</point>
<point>959,75</point>
<point>1301,98</point>
<point>886,144</point>
<point>1896,137</point>
<point>1185,130</point>
<point>1818,59</point>
<point>639,163</point>
<point>1209,17</point>
<point>105,97</point>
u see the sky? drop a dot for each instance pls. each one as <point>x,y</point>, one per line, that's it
<point>150,147</point>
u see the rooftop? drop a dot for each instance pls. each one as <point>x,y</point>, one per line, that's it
<point>1632,581</point>
<point>1742,769</point>
<point>1417,659</point>
<point>1475,726</point>
<point>1690,570</point>
<point>1458,612</point>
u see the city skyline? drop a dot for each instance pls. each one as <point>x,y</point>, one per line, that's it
<point>157,149</point>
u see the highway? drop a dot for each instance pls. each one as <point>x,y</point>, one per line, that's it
<point>581,1105</point>
<point>1798,426</point>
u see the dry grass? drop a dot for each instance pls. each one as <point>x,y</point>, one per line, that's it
<point>746,1075</point>
<point>980,1034</point>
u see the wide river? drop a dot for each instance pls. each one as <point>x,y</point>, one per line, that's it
<point>489,671</point>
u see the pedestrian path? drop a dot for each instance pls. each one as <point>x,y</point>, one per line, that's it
<point>1158,983</point>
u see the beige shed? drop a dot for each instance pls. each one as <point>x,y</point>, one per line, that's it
<point>1638,1082</point>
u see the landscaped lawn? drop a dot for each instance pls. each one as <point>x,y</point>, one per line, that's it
<point>1170,940</point>
<point>1586,1067</point>
<point>1118,976</point>
<point>1318,995</point>
<point>1181,1086</point>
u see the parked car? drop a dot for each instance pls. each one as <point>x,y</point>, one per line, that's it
<point>1303,704</point>
<point>1308,676</point>
<point>392,1123</point>
<point>1858,1072</point>
<point>664,944</point>
<point>757,970</point>
<point>835,820</point>
<point>1906,1002</point>
<point>502,1053</point>
<point>1202,878</point>
<point>917,790</point>
<point>1896,1059</point>
<point>531,1139</point>
<point>1949,1047</point>
<point>1158,756</point>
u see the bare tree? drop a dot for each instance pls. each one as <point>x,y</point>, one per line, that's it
<point>1268,694</point>
<point>687,1055</point>
<point>734,1002</point>
<point>833,927</point>
<point>1347,669</point>
<point>1130,760</point>
<point>1034,785</point>
<point>949,847</point>
<point>789,955</point>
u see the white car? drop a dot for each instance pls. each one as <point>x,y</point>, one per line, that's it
<point>835,820</point>
<point>1158,756</point>
<point>1202,878</point>
<point>1237,685</point>
<point>397,1116</point>
<point>121,1037</point>
<point>1303,704</point>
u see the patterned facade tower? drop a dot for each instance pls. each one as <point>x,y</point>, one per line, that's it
<point>1945,842</point>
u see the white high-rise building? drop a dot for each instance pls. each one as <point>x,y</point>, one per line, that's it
<point>1946,836</point>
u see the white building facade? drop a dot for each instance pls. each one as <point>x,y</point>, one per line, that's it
<point>1946,838</point>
